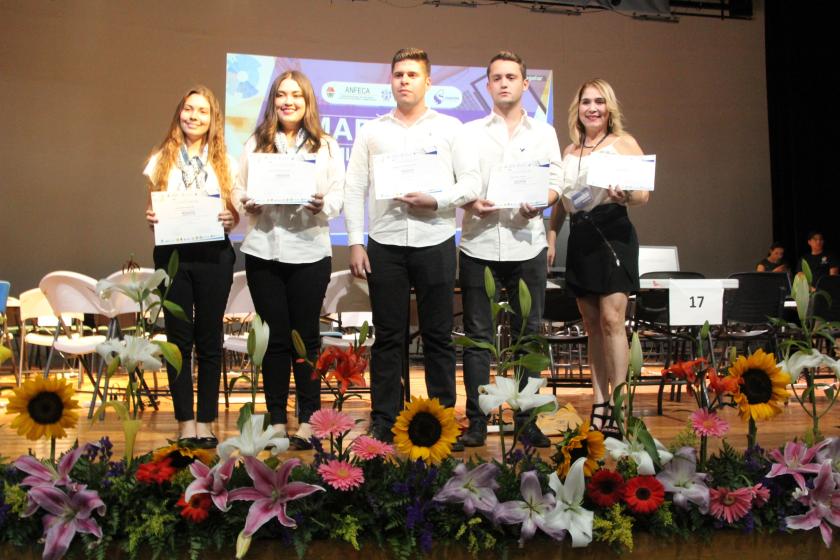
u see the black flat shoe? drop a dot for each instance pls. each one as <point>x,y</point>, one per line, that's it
<point>208,442</point>
<point>188,442</point>
<point>299,444</point>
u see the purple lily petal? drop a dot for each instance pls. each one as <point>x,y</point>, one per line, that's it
<point>796,460</point>
<point>260,513</point>
<point>67,516</point>
<point>57,537</point>
<point>211,481</point>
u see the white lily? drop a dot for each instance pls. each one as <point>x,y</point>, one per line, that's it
<point>253,439</point>
<point>680,477</point>
<point>800,360</point>
<point>133,286</point>
<point>568,512</point>
<point>506,389</point>
<point>259,334</point>
<point>133,351</point>
<point>532,511</point>
<point>636,451</point>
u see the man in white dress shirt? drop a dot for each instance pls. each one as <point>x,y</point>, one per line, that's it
<point>411,235</point>
<point>510,241</point>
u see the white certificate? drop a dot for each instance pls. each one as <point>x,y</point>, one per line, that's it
<point>398,174</point>
<point>631,173</point>
<point>280,179</point>
<point>184,217</point>
<point>512,184</point>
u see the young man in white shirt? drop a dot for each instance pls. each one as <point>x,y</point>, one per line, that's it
<point>510,241</point>
<point>412,236</point>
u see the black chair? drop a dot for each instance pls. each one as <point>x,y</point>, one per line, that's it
<point>651,319</point>
<point>828,309</point>
<point>569,339</point>
<point>747,311</point>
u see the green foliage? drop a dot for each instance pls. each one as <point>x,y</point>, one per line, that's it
<point>347,528</point>
<point>614,528</point>
<point>475,537</point>
<point>154,528</point>
<point>727,468</point>
<point>684,438</point>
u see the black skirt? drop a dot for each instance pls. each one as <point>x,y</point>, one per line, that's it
<point>603,252</point>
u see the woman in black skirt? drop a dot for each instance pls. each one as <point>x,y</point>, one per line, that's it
<point>603,252</point>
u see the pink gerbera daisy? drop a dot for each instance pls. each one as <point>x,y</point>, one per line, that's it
<point>760,494</point>
<point>330,422</point>
<point>367,448</point>
<point>341,475</point>
<point>730,505</point>
<point>707,423</point>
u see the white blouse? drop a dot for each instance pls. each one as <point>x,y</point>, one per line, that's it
<point>291,233</point>
<point>176,178</point>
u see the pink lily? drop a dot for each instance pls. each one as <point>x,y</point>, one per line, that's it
<point>796,461</point>
<point>474,488</point>
<point>270,494</point>
<point>41,473</point>
<point>67,515</point>
<point>211,481</point>
<point>824,503</point>
<point>533,512</point>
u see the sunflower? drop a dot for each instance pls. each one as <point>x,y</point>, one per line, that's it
<point>182,456</point>
<point>425,430</point>
<point>587,443</point>
<point>761,384</point>
<point>44,407</point>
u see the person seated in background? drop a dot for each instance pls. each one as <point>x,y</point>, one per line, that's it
<point>774,261</point>
<point>820,262</point>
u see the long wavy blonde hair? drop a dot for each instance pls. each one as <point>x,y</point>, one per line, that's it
<point>615,124</point>
<point>214,140</point>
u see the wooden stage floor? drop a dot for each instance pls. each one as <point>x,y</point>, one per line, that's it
<point>159,426</point>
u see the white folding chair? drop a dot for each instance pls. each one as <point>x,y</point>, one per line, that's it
<point>240,311</point>
<point>347,304</point>
<point>35,307</point>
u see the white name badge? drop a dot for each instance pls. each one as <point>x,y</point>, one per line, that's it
<point>185,217</point>
<point>631,173</point>
<point>693,302</point>
<point>280,179</point>
<point>397,174</point>
<point>512,184</point>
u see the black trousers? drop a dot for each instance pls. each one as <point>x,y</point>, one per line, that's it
<point>478,323</point>
<point>395,269</point>
<point>289,296</point>
<point>201,287</point>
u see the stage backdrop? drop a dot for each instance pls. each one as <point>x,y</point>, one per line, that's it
<point>88,88</point>
<point>352,93</point>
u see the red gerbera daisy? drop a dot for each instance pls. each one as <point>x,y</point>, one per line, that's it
<point>644,494</point>
<point>156,472</point>
<point>197,509</point>
<point>605,488</point>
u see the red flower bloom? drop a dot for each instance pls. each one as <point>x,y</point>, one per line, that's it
<point>345,365</point>
<point>156,472</point>
<point>605,488</point>
<point>644,494</point>
<point>685,370</point>
<point>721,385</point>
<point>198,508</point>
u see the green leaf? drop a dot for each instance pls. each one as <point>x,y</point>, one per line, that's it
<point>112,367</point>
<point>467,342</point>
<point>524,301</point>
<point>5,353</point>
<point>300,347</point>
<point>245,414</point>
<point>802,294</point>
<point>533,362</point>
<point>704,330</point>
<point>547,408</point>
<point>176,310</point>
<point>636,359</point>
<point>119,408</point>
<point>806,270</point>
<point>233,381</point>
<point>363,334</point>
<point>489,284</point>
<point>638,427</point>
<point>507,307</point>
<point>172,267</point>
<point>171,353</point>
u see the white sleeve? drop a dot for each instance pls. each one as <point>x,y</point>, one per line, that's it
<point>356,184</point>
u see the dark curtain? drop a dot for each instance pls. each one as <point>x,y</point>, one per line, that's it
<point>801,46</point>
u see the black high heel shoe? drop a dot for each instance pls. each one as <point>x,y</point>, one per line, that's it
<point>606,423</point>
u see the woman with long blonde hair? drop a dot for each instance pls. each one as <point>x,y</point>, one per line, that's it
<point>193,158</point>
<point>602,260</point>
<point>288,254</point>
